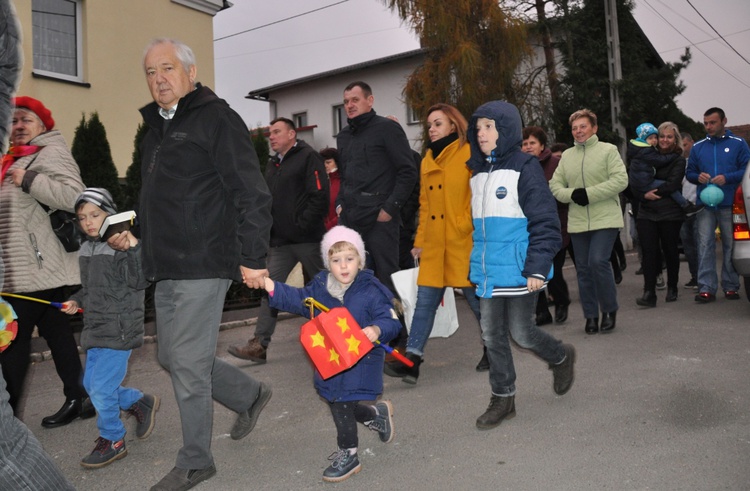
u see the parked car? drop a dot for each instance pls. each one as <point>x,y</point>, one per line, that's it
<point>741,226</point>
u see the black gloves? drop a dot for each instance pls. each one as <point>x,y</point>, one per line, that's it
<point>580,197</point>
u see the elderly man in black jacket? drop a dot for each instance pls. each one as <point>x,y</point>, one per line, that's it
<point>299,186</point>
<point>205,221</point>
<point>378,176</point>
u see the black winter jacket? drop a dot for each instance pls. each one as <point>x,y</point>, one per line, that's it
<point>204,206</point>
<point>665,208</point>
<point>378,170</point>
<point>299,191</point>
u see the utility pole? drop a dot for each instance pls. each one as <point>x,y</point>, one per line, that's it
<point>615,68</point>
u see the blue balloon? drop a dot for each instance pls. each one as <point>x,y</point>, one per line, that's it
<point>712,195</point>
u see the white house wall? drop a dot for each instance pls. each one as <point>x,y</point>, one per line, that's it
<point>319,97</point>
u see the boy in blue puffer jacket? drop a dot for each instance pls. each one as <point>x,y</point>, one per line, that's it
<point>516,236</point>
<point>346,283</point>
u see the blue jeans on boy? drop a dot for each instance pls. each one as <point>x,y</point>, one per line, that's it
<point>104,372</point>
<point>705,227</point>
<point>513,317</point>
<point>428,301</point>
<point>596,282</point>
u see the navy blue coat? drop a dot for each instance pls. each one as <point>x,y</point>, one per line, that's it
<point>370,303</point>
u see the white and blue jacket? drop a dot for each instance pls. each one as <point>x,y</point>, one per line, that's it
<point>516,226</point>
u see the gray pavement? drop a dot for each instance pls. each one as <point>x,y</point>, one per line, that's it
<point>660,404</point>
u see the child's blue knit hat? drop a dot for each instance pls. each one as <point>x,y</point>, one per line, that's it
<point>645,130</point>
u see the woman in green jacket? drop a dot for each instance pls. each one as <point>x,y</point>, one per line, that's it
<point>589,178</point>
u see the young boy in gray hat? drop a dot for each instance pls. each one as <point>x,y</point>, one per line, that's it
<point>111,329</point>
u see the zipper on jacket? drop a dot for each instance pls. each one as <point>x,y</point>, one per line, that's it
<point>583,178</point>
<point>37,252</point>
<point>484,230</point>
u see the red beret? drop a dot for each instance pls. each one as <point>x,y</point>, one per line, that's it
<point>37,108</point>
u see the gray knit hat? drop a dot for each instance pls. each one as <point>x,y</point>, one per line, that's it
<point>99,197</point>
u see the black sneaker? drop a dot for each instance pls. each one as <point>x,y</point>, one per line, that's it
<point>144,411</point>
<point>693,283</point>
<point>105,452</point>
<point>563,373</point>
<point>344,465</point>
<point>383,422</point>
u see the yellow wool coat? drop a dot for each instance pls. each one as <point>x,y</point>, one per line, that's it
<point>445,224</point>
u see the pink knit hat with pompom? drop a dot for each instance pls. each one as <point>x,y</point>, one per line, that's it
<point>339,233</point>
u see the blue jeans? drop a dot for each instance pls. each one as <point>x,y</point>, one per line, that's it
<point>596,282</point>
<point>428,301</point>
<point>705,226</point>
<point>105,370</point>
<point>506,317</point>
<point>689,245</point>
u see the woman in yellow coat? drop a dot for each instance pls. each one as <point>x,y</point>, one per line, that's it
<point>443,242</point>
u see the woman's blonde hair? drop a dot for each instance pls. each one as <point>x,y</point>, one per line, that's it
<point>583,113</point>
<point>670,126</point>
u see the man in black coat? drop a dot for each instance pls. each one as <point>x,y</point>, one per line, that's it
<point>297,178</point>
<point>379,174</point>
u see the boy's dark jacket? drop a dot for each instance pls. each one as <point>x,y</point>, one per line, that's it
<point>204,206</point>
<point>299,190</point>
<point>643,164</point>
<point>371,304</point>
<point>112,296</point>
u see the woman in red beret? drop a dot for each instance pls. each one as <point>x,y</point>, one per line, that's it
<point>39,169</point>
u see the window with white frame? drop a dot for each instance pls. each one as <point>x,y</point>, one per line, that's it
<point>58,44</point>
<point>339,119</point>
<point>300,120</point>
<point>412,117</point>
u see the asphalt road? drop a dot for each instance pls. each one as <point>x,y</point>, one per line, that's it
<point>660,404</point>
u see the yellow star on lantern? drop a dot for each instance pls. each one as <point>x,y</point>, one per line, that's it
<point>342,324</point>
<point>318,340</point>
<point>334,356</point>
<point>353,344</point>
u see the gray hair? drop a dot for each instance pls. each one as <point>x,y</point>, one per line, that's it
<point>182,50</point>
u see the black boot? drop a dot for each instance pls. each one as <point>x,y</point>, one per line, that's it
<point>648,299</point>
<point>70,410</point>
<point>592,325</point>
<point>671,294</point>
<point>484,363</point>
<point>399,370</point>
<point>561,313</point>
<point>543,318</point>
<point>412,373</point>
<point>500,408</point>
<point>608,322</point>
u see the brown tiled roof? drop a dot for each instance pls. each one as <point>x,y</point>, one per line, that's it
<point>742,130</point>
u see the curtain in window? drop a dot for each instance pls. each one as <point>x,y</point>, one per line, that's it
<point>54,30</point>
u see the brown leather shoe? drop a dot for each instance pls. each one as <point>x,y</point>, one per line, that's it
<point>253,351</point>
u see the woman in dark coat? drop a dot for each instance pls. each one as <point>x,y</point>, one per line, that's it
<point>660,218</point>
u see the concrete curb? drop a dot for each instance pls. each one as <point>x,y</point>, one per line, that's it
<point>46,355</point>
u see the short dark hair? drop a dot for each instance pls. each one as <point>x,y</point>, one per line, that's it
<point>287,121</point>
<point>362,85</point>
<point>715,110</point>
<point>686,136</point>
<point>558,147</point>
<point>330,153</point>
<point>537,132</point>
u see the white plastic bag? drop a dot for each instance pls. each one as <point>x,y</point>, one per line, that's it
<point>446,319</point>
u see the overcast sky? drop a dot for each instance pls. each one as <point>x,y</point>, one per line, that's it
<point>287,43</point>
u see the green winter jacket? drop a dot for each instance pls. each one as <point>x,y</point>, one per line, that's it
<point>597,167</point>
